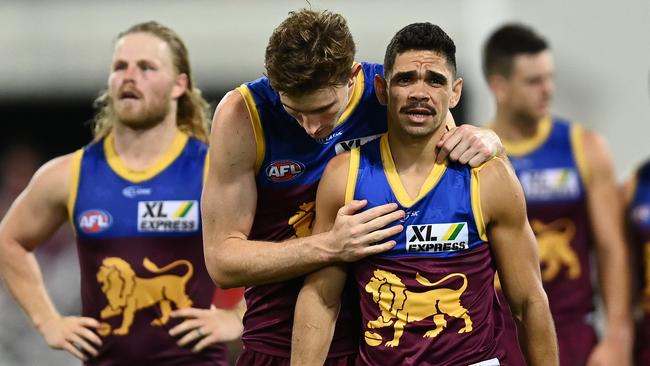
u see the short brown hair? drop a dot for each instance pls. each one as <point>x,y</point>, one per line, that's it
<point>192,111</point>
<point>507,42</point>
<point>308,51</point>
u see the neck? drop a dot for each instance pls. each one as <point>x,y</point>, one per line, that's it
<point>412,153</point>
<point>141,148</point>
<point>511,126</point>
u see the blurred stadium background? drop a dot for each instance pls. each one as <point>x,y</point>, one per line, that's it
<point>56,57</point>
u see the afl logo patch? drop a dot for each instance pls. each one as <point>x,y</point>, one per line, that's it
<point>284,170</point>
<point>95,221</point>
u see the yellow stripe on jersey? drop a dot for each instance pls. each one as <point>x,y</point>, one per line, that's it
<point>475,191</point>
<point>529,145</point>
<point>579,153</point>
<point>257,125</point>
<point>206,167</point>
<point>357,93</point>
<point>75,171</point>
<point>355,155</point>
<point>396,184</point>
<point>137,176</point>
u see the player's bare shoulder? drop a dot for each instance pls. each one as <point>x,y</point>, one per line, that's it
<point>500,190</point>
<point>54,179</point>
<point>233,139</point>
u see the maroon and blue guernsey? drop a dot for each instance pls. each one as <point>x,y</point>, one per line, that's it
<point>639,218</point>
<point>552,170</point>
<point>289,166</point>
<point>140,252</point>
<point>431,299</point>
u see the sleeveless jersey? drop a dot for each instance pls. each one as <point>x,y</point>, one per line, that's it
<point>552,170</point>
<point>639,218</point>
<point>140,251</point>
<point>289,167</point>
<point>430,300</point>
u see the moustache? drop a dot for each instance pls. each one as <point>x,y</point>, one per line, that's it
<point>418,107</point>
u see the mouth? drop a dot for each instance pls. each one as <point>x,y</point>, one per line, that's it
<point>418,113</point>
<point>129,94</point>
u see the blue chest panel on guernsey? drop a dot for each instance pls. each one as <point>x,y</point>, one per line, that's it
<point>110,206</point>
<point>550,173</point>
<point>292,158</point>
<point>440,223</point>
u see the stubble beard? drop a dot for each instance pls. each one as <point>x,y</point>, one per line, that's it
<point>141,117</point>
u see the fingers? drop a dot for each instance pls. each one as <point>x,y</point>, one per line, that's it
<point>204,342</point>
<point>184,327</point>
<point>68,346</point>
<point>191,336</point>
<point>352,207</point>
<point>82,345</point>
<point>447,144</point>
<point>376,212</point>
<point>379,248</point>
<point>383,221</point>
<point>90,336</point>
<point>187,313</point>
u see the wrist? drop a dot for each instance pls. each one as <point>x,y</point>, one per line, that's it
<point>40,321</point>
<point>324,244</point>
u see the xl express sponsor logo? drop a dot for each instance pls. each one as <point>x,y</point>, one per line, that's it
<point>548,184</point>
<point>94,221</point>
<point>166,216</point>
<point>433,238</point>
<point>354,143</point>
<point>284,170</point>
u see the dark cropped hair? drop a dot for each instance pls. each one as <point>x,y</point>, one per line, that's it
<point>420,36</point>
<point>308,51</point>
<point>507,42</point>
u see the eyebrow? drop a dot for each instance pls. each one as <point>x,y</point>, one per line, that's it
<point>315,110</point>
<point>430,75</point>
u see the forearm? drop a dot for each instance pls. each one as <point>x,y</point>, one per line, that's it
<point>537,333</point>
<point>23,278</point>
<point>615,283</point>
<point>313,328</point>
<point>238,262</point>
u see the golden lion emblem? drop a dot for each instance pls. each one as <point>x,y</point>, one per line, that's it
<point>302,220</point>
<point>126,293</point>
<point>400,306</point>
<point>555,248</point>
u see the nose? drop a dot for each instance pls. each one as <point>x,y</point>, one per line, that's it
<point>130,72</point>
<point>418,93</point>
<point>310,123</point>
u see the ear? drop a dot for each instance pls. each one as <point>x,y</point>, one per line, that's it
<point>356,69</point>
<point>180,86</point>
<point>381,90</point>
<point>498,85</point>
<point>456,91</point>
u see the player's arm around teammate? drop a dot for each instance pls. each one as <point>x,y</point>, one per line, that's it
<point>229,203</point>
<point>35,215</point>
<point>515,250</point>
<point>606,215</point>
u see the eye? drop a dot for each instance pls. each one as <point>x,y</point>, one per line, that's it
<point>119,66</point>
<point>403,80</point>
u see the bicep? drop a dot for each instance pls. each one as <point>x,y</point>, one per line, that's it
<point>331,193</point>
<point>604,198</point>
<point>230,193</point>
<point>40,209</point>
<point>512,240</point>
